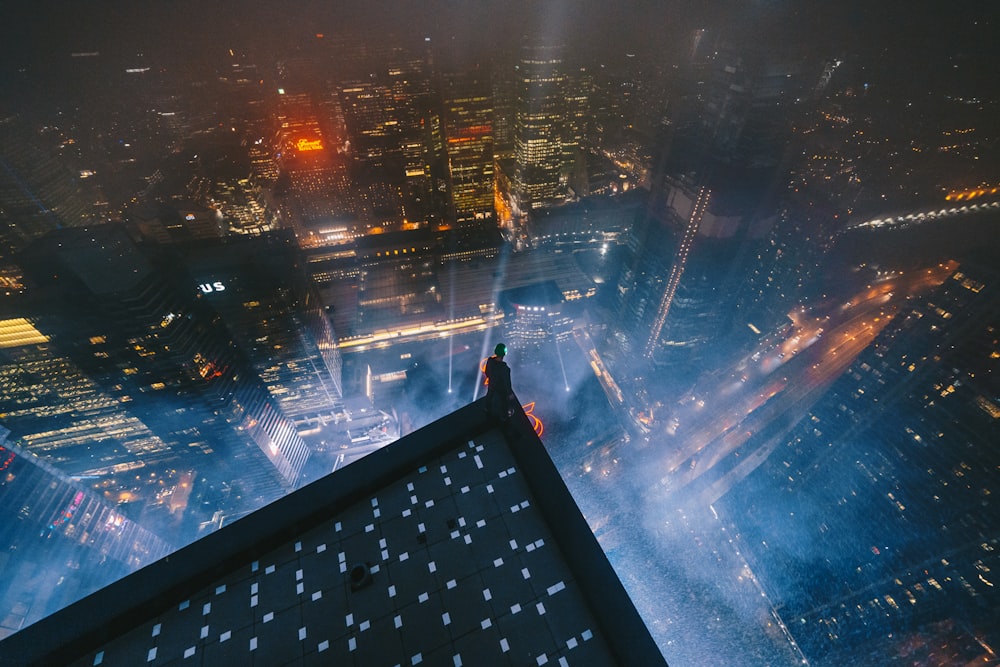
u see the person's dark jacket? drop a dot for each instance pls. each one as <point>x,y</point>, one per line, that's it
<point>499,394</point>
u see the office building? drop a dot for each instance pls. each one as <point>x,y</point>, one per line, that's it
<point>59,414</point>
<point>534,322</point>
<point>468,127</point>
<point>62,540</point>
<point>261,291</point>
<point>678,256</point>
<point>314,174</point>
<point>540,138</point>
<point>142,329</point>
<point>715,190</point>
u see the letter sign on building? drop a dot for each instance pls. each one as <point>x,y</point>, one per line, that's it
<point>208,288</point>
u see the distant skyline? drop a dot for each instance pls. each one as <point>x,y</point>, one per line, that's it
<point>909,47</point>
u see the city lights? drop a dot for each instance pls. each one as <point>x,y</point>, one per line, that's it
<point>744,256</point>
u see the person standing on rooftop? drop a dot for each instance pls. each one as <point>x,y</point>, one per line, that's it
<point>499,394</point>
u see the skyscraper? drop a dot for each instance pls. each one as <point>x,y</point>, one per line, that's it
<point>315,173</point>
<point>534,322</point>
<point>715,189</point>
<point>468,125</point>
<point>680,252</point>
<point>58,413</point>
<point>61,540</point>
<point>142,330</point>
<point>261,291</point>
<point>540,138</point>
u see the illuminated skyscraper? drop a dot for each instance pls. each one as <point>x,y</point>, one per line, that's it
<point>468,113</point>
<point>418,131</point>
<point>369,110</point>
<point>534,322</point>
<point>691,225</point>
<point>316,180</point>
<point>59,414</point>
<point>394,138</point>
<point>540,140</point>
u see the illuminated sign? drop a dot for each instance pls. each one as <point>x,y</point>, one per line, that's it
<point>305,145</point>
<point>208,288</point>
<point>536,423</point>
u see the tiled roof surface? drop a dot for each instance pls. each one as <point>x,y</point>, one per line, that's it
<point>448,559</point>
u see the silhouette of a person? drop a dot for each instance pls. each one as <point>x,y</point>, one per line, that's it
<point>499,394</point>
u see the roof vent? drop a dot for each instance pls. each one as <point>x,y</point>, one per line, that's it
<point>360,576</point>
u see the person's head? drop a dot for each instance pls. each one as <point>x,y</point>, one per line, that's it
<point>500,350</point>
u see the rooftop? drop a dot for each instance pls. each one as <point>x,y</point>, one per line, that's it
<point>456,545</point>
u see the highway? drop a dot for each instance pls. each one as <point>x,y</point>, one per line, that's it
<point>778,380</point>
<point>701,445</point>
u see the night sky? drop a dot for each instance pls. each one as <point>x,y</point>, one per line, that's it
<point>918,44</point>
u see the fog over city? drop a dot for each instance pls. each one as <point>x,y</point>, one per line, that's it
<point>744,255</point>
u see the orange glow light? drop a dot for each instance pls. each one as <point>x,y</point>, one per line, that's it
<point>536,423</point>
<point>973,193</point>
<point>305,145</point>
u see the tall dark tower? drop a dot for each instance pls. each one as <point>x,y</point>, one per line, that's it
<point>672,288</point>
<point>258,286</point>
<point>38,191</point>
<point>142,330</point>
<point>714,191</point>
